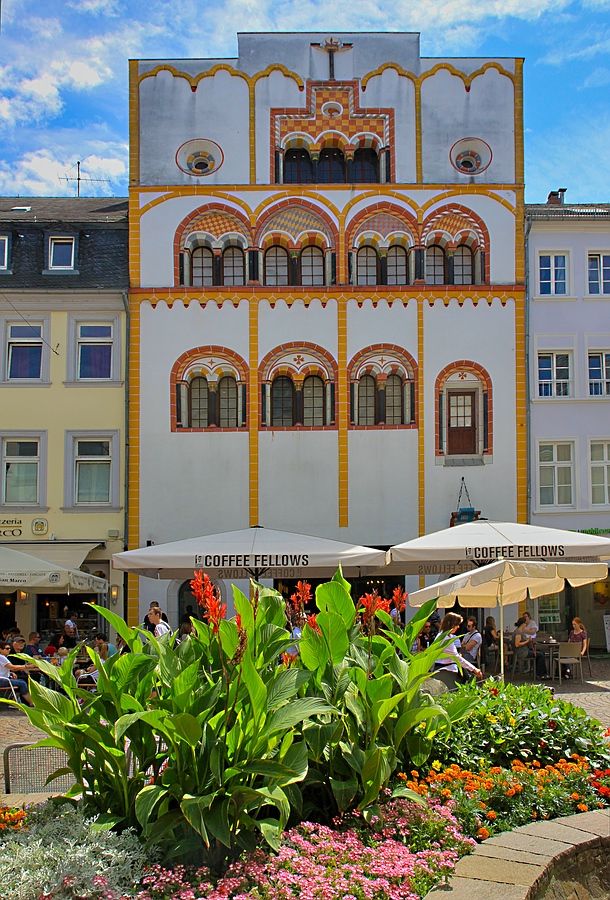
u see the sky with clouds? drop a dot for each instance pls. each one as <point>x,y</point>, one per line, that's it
<point>64,75</point>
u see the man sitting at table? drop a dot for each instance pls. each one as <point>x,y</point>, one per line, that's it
<point>6,670</point>
<point>31,648</point>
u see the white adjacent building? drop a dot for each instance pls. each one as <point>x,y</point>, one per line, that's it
<point>569,373</point>
<point>327,292</point>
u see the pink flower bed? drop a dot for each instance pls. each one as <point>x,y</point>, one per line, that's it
<point>398,858</point>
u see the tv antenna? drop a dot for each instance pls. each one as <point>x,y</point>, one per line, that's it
<point>81,178</point>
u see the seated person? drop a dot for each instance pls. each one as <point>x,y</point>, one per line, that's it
<point>20,647</point>
<point>424,638</point>
<point>450,663</point>
<point>523,646</point>
<point>471,641</point>
<point>90,675</point>
<point>31,648</point>
<point>66,638</point>
<point>531,627</point>
<point>101,639</point>
<point>20,685</point>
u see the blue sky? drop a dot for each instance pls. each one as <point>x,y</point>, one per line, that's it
<point>63,75</point>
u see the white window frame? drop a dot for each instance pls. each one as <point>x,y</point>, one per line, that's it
<point>55,239</point>
<point>605,464</point>
<point>4,242</point>
<point>556,464</point>
<point>604,382</point>
<point>553,254</point>
<point>6,321</point>
<point>557,385</point>
<point>41,437</point>
<point>600,295</point>
<point>70,458</point>
<point>72,366</point>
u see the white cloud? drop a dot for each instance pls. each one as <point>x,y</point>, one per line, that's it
<point>597,78</point>
<point>43,172</point>
<point>96,7</point>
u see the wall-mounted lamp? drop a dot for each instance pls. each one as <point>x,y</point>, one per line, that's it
<point>114,594</point>
<point>22,597</point>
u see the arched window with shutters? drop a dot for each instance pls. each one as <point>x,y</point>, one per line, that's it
<point>383,387</point>
<point>313,402</point>
<point>366,266</point>
<point>394,402</point>
<point>198,403</point>
<point>202,267</point>
<point>435,265</point>
<point>282,402</point>
<point>462,266</point>
<point>365,166</point>
<point>367,400</point>
<point>297,167</point>
<point>276,267</point>
<point>233,268</point>
<point>397,266</point>
<point>331,166</point>
<point>227,402</point>
<point>312,266</point>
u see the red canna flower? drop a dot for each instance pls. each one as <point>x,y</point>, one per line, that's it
<point>399,598</point>
<point>312,622</point>
<point>370,604</point>
<point>301,596</point>
<point>209,598</point>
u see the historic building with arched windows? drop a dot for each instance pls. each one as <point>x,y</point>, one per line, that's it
<point>327,291</point>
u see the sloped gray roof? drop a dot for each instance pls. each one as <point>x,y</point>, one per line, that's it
<point>77,210</point>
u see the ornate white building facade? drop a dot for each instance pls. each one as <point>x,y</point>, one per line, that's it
<point>327,291</point>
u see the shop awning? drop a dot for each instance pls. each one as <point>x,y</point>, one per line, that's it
<point>69,554</point>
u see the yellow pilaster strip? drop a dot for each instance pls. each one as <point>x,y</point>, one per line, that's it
<point>133,519</point>
<point>135,214</point>
<point>419,169</point>
<point>341,262</point>
<point>134,123</point>
<point>252,94</point>
<point>421,444</point>
<point>342,412</point>
<point>520,300</point>
<point>253,411</point>
<point>519,143</point>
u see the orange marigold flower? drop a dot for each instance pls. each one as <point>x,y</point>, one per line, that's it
<point>491,814</point>
<point>534,814</point>
<point>510,792</point>
<point>445,792</point>
<point>583,807</point>
<point>495,770</point>
<point>575,796</point>
<point>536,764</point>
<point>483,834</point>
<point>482,805</point>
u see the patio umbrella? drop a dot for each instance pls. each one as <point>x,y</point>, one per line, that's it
<point>505,581</point>
<point>20,571</point>
<point>477,543</point>
<point>250,553</point>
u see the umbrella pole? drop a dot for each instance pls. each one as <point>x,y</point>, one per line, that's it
<point>501,632</point>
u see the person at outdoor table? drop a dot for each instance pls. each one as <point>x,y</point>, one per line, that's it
<point>103,639</point>
<point>523,648</point>
<point>31,648</point>
<point>450,663</point>
<point>471,641</point>
<point>578,635</point>
<point>156,617</point>
<point>91,674</point>
<point>186,629</point>
<point>66,638</point>
<point>6,668</point>
<point>531,627</point>
<point>424,638</point>
<point>148,622</point>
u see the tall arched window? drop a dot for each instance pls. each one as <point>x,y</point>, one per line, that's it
<point>276,266</point>
<point>367,400</point>
<point>435,265</point>
<point>462,266</point>
<point>366,269</point>
<point>198,403</point>
<point>394,400</point>
<point>202,267</point>
<point>312,266</point>
<point>227,402</point>
<point>366,166</point>
<point>282,401</point>
<point>331,166</point>
<point>233,269</point>
<point>297,167</point>
<point>313,401</point>
<point>397,266</point>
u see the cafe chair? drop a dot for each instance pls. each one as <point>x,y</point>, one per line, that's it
<point>566,657</point>
<point>8,691</point>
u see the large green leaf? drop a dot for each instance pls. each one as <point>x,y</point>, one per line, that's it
<point>129,635</point>
<point>413,717</point>
<point>244,608</point>
<point>196,812</point>
<point>333,597</point>
<point>255,687</point>
<point>344,791</point>
<point>381,709</point>
<point>185,727</point>
<point>318,736</point>
<point>339,579</point>
<point>285,684</point>
<point>52,701</point>
<point>216,820</point>
<point>312,648</point>
<point>290,715</point>
<point>335,634</point>
<point>418,747</point>
<point>375,773</point>
<point>147,800</point>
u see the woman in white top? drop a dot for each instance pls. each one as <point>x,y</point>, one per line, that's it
<point>6,667</point>
<point>450,663</point>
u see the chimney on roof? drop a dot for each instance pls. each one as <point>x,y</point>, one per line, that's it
<point>556,198</point>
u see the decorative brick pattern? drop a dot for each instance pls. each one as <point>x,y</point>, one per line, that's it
<point>219,216</point>
<point>385,217</point>
<point>295,215</point>
<point>297,361</point>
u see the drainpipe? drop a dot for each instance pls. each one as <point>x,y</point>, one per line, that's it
<point>528,455</point>
<point>125,297</point>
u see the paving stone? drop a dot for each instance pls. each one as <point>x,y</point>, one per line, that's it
<point>595,822</point>
<point>500,870</point>
<point>469,889</point>
<point>555,831</point>
<point>529,843</point>
<point>497,851</point>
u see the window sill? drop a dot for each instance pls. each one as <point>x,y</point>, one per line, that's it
<point>23,510</point>
<point>93,382</point>
<point>596,297</point>
<point>60,272</point>
<point>6,271</point>
<point>456,461</point>
<point>24,383</point>
<point>560,297</point>
<point>91,509</point>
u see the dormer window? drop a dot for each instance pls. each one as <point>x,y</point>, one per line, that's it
<point>61,253</point>
<point>3,253</point>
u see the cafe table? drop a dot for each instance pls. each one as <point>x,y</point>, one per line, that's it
<point>550,648</point>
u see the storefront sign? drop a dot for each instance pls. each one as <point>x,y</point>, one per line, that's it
<point>251,560</point>
<point>11,527</point>
<point>516,551</point>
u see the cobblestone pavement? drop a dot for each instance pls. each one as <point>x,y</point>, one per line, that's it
<point>593,697</point>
